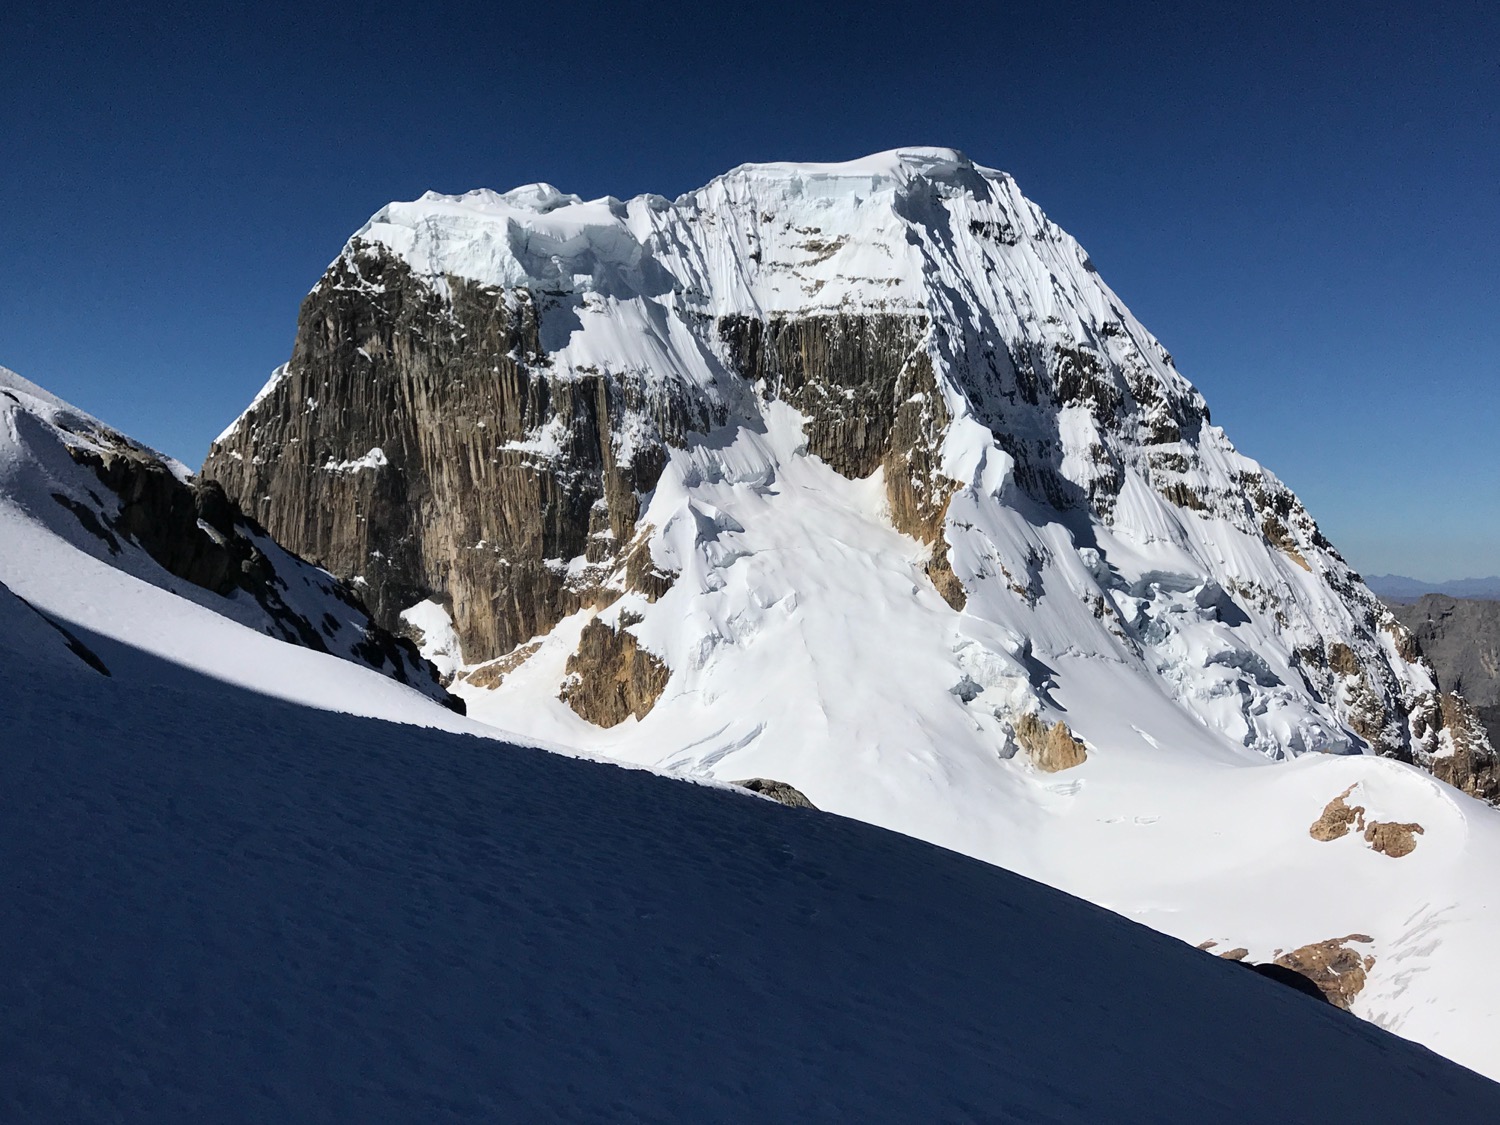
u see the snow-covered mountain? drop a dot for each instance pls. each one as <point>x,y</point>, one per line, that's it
<point>526,405</point>
<point>223,907</point>
<point>97,529</point>
<point>859,477</point>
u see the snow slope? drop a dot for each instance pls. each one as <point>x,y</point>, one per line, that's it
<point>1123,568</point>
<point>224,906</point>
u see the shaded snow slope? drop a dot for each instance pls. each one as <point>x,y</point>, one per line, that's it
<point>226,907</point>
<point>90,518</point>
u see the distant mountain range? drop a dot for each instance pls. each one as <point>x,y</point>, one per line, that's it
<point>1400,588</point>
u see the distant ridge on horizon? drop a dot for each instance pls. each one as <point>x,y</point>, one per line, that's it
<point>1399,586</point>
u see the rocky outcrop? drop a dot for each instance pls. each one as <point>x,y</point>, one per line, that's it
<point>1472,764</point>
<point>1051,746</point>
<point>492,674</point>
<point>1339,971</point>
<point>193,531</point>
<point>189,528</point>
<point>1339,818</point>
<point>1398,716</point>
<point>866,386</point>
<point>777,791</point>
<point>1393,839</point>
<point>940,571</point>
<point>611,677</point>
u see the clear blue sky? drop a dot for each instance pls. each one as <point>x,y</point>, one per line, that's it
<point>1304,207</point>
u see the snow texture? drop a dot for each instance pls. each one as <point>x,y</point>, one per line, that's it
<point>223,906</point>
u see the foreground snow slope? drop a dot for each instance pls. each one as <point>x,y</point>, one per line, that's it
<point>222,906</point>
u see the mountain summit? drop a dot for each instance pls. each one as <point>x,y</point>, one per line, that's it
<point>526,406</point>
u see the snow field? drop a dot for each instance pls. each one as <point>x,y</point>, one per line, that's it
<point>231,907</point>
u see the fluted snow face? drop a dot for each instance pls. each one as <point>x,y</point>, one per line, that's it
<point>1056,399</point>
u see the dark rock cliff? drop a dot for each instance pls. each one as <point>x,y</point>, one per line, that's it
<point>193,531</point>
<point>468,503</point>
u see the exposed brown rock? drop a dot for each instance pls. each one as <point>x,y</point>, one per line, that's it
<point>846,373</point>
<point>1277,535</point>
<point>1380,717</point>
<point>1338,818</point>
<point>642,575</point>
<point>944,580</point>
<point>1238,953</point>
<point>777,791</point>
<point>1183,496</point>
<point>867,388</point>
<point>611,677</point>
<point>493,674</point>
<point>1473,766</point>
<point>1407,645</point>
<point>1369,717</point>
<point>1392,839</point>
<point>1342,660</point>
<point>1335,968</point>
<point>1052,747</point>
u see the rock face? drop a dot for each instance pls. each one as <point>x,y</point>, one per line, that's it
<point>611,677</point>
<point>1391,838</point>
<point>1339,818</point>
<point>1461,637</point>
<point>481,470</point>
<point>1051,746</point>
<point>527,406</point>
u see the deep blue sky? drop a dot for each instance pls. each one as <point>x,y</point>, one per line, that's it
<point>1304,207</point>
